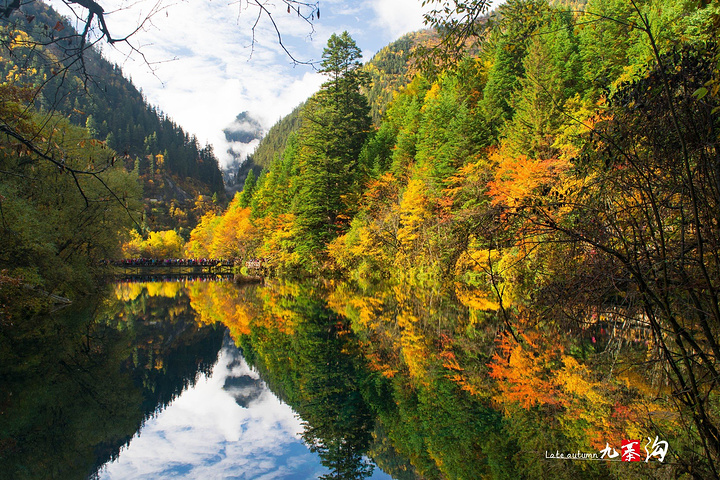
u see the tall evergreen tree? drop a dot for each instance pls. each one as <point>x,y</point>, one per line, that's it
<point>551,77</point>
<point>248,189</point>
<point>335,124</point>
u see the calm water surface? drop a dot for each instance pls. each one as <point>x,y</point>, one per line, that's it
<point>142,385</point>
<point>228,425</point>
<point>211,380</point>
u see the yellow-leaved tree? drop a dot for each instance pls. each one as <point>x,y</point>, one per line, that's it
<point>235,235</point>
<point>162,244</point>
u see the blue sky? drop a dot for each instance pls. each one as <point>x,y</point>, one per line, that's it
<point>199,68</point>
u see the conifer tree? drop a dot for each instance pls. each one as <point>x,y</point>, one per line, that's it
<point>335,125</point>
<point>248,189</point>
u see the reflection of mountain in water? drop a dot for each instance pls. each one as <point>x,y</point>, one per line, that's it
<point>244,386</point>
<point>170,353</point>
<point>72,400</point>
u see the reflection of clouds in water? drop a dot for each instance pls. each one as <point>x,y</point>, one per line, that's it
<point>228,426</point>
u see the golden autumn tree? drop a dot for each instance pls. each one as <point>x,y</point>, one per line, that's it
<point>235,235</point>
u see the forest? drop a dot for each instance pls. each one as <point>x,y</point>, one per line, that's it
<point>512,218</point>
<point>556,171</point>
<point>86,164</point>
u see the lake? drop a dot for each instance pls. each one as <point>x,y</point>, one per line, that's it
<point>206,379</point>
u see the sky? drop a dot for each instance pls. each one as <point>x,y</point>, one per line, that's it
<point>212,431</point>
<point>198,64</point>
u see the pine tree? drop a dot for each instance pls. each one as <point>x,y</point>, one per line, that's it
<point>334,127</point>
<point>248,189</point>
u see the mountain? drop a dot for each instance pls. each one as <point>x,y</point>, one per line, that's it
<point>179,175</point>
<point>244,129</point>
<point>243,135</point>
<point>270,145</point>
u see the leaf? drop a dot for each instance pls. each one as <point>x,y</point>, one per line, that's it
<point>700,92</point>
<point>59,26</point>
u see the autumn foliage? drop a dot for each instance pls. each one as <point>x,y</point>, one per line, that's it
<point>558,179</point>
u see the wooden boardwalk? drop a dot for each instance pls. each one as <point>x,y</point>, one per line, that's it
<point>173,267</point>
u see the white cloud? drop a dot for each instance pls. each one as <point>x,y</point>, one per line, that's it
<point>204,433</point>
<point>203,71</point>
<point>399,16</point>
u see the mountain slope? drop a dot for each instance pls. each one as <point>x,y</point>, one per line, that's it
<point>176,171</point>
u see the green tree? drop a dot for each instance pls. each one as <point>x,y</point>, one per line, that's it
<point>507,46</point>
<point>335,124</point>
<point>248,189</point>
<point>278,184</point>
<point>63,208</point>
<point>551,77</point>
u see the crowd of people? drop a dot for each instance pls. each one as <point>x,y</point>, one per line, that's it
<point>173,262</point>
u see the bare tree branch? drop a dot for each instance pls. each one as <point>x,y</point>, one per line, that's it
<point>309,12</point>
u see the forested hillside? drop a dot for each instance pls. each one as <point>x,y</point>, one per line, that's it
<point>561,174</point>
<point>390,69</point>
<point>84,159</point>
<point>270,145</point>
<point>174,168</point>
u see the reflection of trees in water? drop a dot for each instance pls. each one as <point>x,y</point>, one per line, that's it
<point>79,384</point>
<point>426,427</point>
<point>171,351</point>
<point>338,422</point>
<point>447,392</point>
<point>407,377</point>
<point>170,356</point>
<point>318,371</point>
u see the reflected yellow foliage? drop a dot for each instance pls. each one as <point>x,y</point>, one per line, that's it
<point>128,291</point>
<point>276,312</point>
<point>475,299</point>
<point>223,302</point>
<point>413,347</point>
<point>587,403</point>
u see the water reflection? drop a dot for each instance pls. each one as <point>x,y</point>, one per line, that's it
<point>329,381</point>
<point>318,370</point>
<point>229,425</point>
<point>148,383</point>
<point>432,387</point>
<point>78,384</point>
